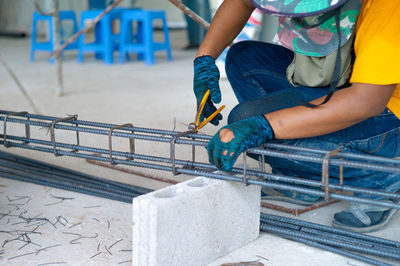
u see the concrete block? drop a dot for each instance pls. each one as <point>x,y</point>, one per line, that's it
<point>194,222</point>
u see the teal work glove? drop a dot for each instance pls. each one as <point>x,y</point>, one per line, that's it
<point>248,133</point>
<point>206,77</point>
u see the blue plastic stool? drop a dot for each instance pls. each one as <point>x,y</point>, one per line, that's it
<point>48,46</point>
<point>142,43</point>
<point>106,42</point>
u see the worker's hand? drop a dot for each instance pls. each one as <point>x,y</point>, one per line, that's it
<point>225,147</point>
<point>206,77</point>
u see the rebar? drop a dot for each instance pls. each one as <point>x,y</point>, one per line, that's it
<point>294,235</point>
<point>338,240</point>
<point>330,229</point>
<point>325,247</point>
<point>191,167</point>
<point>28,170</point>
<point>328,238</point>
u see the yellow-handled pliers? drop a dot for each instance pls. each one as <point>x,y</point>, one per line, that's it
<point>197,124</point>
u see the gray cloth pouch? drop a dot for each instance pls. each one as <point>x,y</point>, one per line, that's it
<point>313,71</point>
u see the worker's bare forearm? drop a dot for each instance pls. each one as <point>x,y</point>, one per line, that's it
<point>346,108</point>
<point>229,20</point>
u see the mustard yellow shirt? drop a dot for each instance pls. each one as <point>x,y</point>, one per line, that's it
<point>377,47</point>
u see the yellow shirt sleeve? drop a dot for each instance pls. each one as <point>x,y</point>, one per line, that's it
<point>377,47</point>
<point>377,43</point>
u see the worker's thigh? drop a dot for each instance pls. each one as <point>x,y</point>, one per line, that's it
<point>255,69</point>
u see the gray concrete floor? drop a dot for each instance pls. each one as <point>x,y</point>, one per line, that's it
<point>158,96</point>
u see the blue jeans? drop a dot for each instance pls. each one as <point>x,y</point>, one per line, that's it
<point>257,73</point>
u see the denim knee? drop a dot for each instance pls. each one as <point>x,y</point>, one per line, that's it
<point>233,116</point>
<point>240,112</point>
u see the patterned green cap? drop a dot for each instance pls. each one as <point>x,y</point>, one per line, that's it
<point>308,26</point>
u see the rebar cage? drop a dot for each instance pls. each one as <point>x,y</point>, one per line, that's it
<point>172,163</point>
<point>53,140</point>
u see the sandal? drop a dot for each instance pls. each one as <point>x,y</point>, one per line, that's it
<point>363,218</point>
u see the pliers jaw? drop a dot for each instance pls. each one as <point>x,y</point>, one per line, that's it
<point>197,124</point>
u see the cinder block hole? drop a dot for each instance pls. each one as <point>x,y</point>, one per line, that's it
<point>169,193</point>
<point>197,183</point>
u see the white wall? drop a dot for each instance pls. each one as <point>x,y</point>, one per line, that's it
<point>15,15</point>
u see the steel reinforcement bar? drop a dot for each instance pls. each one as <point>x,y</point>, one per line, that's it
<point>327,159</point>
<point>350,244</point>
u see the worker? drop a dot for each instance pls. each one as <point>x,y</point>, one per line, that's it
<point>310,90</point>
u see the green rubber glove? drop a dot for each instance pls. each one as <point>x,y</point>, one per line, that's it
<point>206,77</point>
<point>248,133</point>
